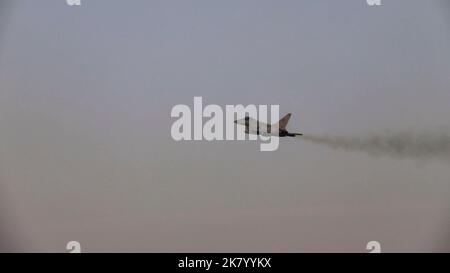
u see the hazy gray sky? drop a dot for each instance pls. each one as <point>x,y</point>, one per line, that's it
<point>85,146</point>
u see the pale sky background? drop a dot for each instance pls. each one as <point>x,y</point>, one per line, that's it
<point>85,146</point>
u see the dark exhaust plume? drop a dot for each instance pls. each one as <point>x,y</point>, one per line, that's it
<point>399,145</point>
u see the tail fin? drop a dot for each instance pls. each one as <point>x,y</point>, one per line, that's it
<point>284,121</point>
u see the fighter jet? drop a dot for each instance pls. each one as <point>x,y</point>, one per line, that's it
<point>255,127</point>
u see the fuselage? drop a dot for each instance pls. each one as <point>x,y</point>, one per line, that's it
<point>256,127</point>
